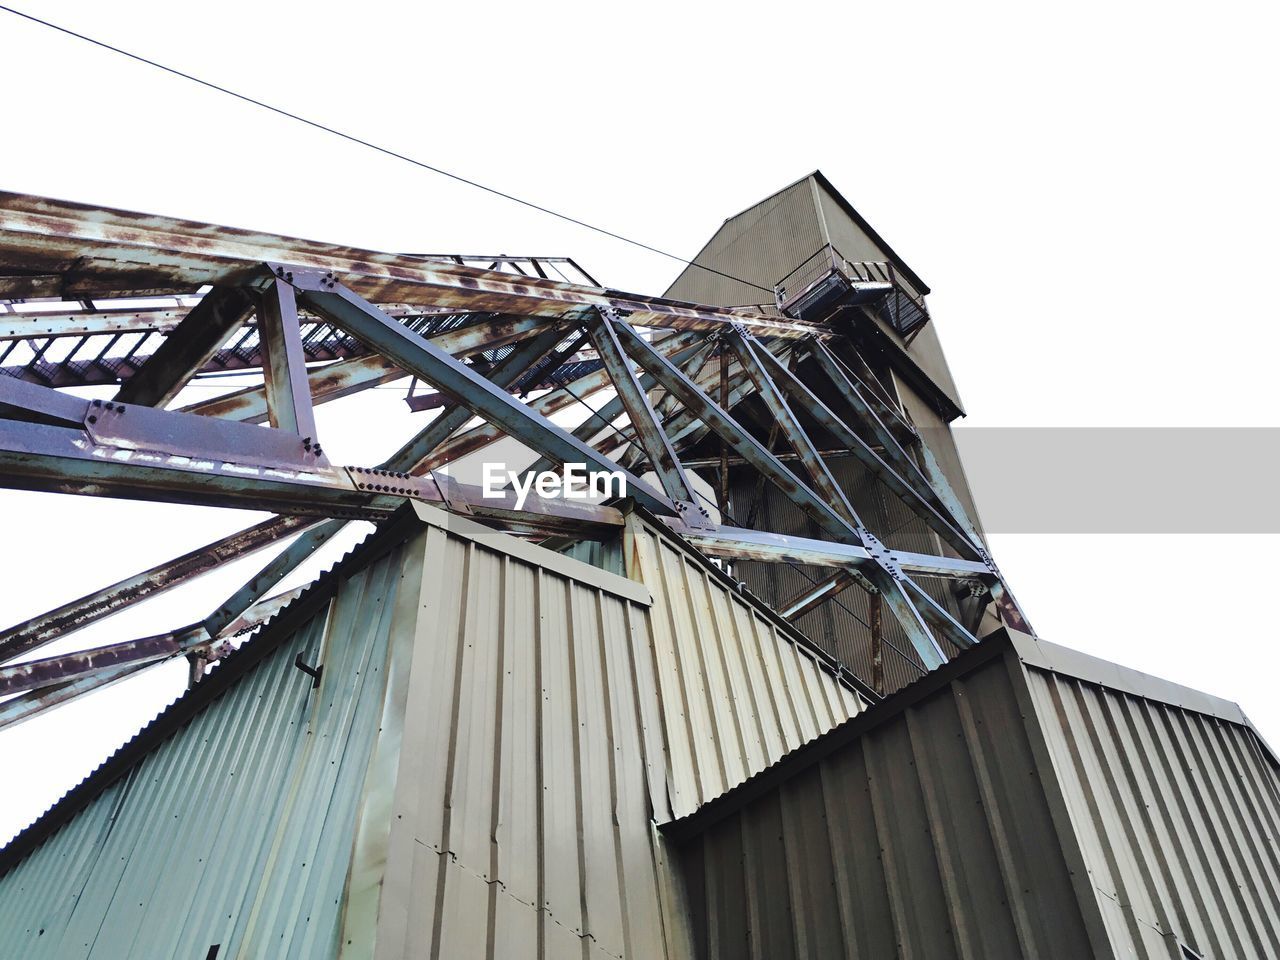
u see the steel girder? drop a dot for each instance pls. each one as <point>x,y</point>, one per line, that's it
<point>345,377</point>
<point>210,452</point>
<point>348,310</point>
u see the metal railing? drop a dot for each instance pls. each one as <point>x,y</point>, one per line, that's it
<point>900,307</point>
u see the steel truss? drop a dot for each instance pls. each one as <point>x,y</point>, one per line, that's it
<point>322,322</point>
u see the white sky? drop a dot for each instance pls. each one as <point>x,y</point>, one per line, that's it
<point>1090,190</point>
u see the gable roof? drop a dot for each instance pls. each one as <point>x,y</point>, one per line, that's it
<point>820,179</point>
<point>826,185</point>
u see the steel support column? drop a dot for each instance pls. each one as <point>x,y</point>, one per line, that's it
<point>284,367</point>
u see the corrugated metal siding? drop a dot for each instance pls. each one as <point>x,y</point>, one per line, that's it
<point>932,836</point>
<point>1178,817</point>
<point>1003,808</point>
<point>499,731</point>
<point>549,725</point>
<point>761,245</point>
<point>734,690</point>
<point>521,824</point>
<point>238,830</point>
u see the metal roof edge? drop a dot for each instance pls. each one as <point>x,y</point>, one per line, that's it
<point>818,177</point>
<point>1055,658</point>
<point>818,749</point>
<point>877,336</point>
<point>558,563</point>
<point>879,241</point>
<point>172,718</point>
<point>1038,654</point>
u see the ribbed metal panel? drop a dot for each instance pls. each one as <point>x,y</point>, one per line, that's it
<point>929,837</point>
<point>736,690</point>
<point>549,724</point>
<point>1003,808</point>
<point>1177,814</point>
<point>238,830</point>
<point>520,820</point>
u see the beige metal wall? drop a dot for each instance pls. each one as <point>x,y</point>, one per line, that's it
<point>735,688</point>
<point>767,241</point>
<point>928,837</point>
<point>550,723</point>
<point>1177,813</point>
<point>1003,808</point>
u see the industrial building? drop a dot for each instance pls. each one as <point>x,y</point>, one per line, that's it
<point>776,702</point>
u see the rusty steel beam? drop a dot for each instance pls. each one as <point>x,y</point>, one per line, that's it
<point>26,401</point>
<point>741,543</point>
<point>686,429</point>
<point>562,398</point>
<point>1010,612</point>
<point>812,597</point>
<point>875,622</point>
<point>36,324</point>
<point>34,674</point>
<point>748,447</point>
<point>116,253</point>
<point>872,390</point>
<point>890,450</point>
<point>884,574</point>
<point>34,633</point>
<point>924,507</point>
<point>939,618</point>
<point>749,355</point>
<point>25,706</point>
<point>188,348</point>
<point>449,421</point>
<point>667,404</point>
<point>598,430</point>
<point>345,377</point>
<point>827,453</point>
<point>635,400</point>
<point>59,460</point>
<point>276,570</point>
<point>349,311</point>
